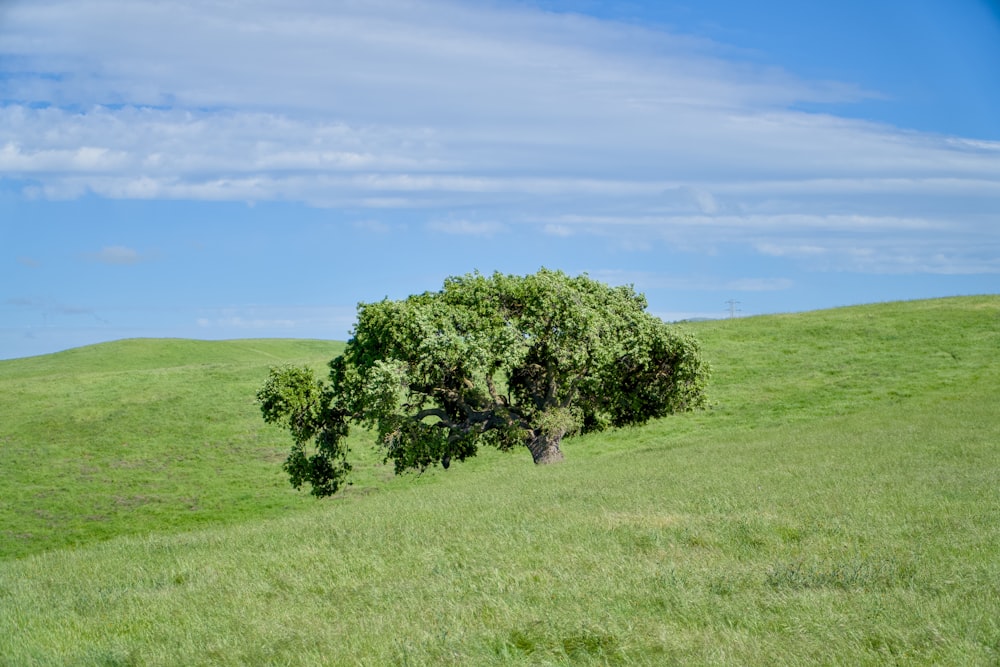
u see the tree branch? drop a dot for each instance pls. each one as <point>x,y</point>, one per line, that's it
<point>434,412</point>
<point>497,400</point>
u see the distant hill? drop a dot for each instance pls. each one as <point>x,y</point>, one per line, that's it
<point>836,504</point>
<point>135,354</point>
<point>138,435</point>
<point>143,434</point>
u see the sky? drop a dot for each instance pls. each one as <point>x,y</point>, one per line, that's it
<point>214,169</point>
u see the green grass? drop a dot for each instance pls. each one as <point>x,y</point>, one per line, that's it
<point>139,436</point>
<point>839,504</point>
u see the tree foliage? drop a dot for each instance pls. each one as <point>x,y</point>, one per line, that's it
<point>501,361</point>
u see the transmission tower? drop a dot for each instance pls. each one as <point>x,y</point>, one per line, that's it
<point>733,310</point>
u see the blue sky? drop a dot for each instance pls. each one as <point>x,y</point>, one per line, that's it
<point>211,169</point>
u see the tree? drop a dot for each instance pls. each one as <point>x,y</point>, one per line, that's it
<point>501,361</point>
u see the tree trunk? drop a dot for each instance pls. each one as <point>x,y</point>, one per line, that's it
<point>545,449</point>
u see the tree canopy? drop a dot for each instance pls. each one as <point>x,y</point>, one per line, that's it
<point>502,361</point>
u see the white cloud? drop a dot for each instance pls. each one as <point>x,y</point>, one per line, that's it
<point>789,250</point>
<point>329,54</point>
<point>116,255</point>
<point>466,227</point>
<point>706,202</point>
<point>270,320</point>
<point>891,255</point>
<point>760,284</point>
<point>758,222</point>
<point>567,123</point>
<point>558,230</point>
<point>83,159</point>
<point>870,185</point>
<point>236,322</point>
<point>646,280</point>
<point>374,226</point>
<point>464,91</point>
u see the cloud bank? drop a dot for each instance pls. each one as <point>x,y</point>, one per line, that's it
<point>516,116</point>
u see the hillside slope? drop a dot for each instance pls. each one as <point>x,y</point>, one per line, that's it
<point>144,434</point>
<point>139,435</point>
<point>839,504</point>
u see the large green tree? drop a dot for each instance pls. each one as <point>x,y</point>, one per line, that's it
<point>501,360</point>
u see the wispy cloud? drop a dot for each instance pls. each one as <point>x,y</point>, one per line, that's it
<point>790,249</point>
<point>558,230</point>
<point>928,254</point>
<point>46,307</point>
<point>273,53</point>
<point>373,226</point>
<point>466,227</point>
<point>565,123</point>
<point>646,280</point>
<point>760,284</point>
<point>115,255</point>
<point>293,321</point>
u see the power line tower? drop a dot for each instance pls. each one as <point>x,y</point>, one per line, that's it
<point>733,310</point>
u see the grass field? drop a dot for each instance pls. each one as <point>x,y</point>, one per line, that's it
<point>838,504</point>
<point>139,436</point>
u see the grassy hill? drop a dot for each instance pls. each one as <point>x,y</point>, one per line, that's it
<point>839,504</point>
<point>138,436</point>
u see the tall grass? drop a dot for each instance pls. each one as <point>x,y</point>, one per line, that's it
<point>838,505</point>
